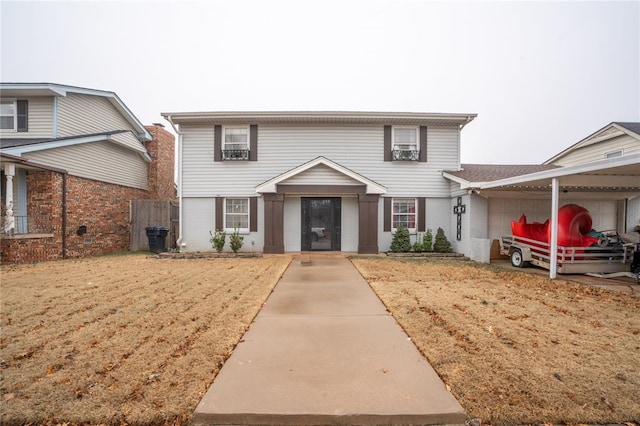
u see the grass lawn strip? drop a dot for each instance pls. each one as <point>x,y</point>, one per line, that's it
<point>516,348</point>
<point>122,339</point>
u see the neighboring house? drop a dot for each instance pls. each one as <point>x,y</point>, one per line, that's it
<point>614,140</point>
<point>600,173</point>
<point>72,160</point>
<point>304,181</point>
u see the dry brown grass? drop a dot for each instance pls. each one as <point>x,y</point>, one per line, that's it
<point>127,339</point>
<point>516,348</point>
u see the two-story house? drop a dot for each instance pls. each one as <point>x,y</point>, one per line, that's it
<point>305,181</point>
<point>72,159</point>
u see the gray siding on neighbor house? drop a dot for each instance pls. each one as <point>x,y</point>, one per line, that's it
<point>282,148</point>
<point>80,114</point>
<point>597,151</point>
<point>102,161</point>
<point>40,119</point>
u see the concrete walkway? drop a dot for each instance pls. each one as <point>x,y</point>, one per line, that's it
<point>324,350</point>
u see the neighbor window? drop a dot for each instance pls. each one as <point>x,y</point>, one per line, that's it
<point>236,143</point>
<point>404,213</point>
<point>236,214</point>
<point>613,154</point>
<point>8,115</point>
<point>405,143</point>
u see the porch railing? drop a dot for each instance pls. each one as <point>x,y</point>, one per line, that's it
<point>21,225</point>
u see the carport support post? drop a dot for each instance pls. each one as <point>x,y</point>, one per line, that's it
<point>553,250</point>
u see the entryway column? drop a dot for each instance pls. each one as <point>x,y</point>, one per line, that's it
<point>9,222</point>
<point>273,223</point>
<point>368,223</point>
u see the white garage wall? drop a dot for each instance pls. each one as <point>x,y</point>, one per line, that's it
<point>502,211</point>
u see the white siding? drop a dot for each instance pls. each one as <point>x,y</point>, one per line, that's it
<point>40,119</point>
<point>359,148</point>
<point>349,219</point>
<point>320,175</point>
<point>198,218</point>
<point>293,224</point>
<point>129,140</point>
<point>474,223</point>
<point>80,114</point>
<point>598,151</point>
<point>102,161</point>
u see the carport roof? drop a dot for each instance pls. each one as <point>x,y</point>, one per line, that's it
<point>614,174</point>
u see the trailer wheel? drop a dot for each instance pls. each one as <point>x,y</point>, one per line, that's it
<point>517,259</point>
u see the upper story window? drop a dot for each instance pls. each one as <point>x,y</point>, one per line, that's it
<point>613,154</point>
<point>404,212</point>
<point>236,214</point>
<point>404,143</point>
<point>236,143</point>
<point>13,115</point>
<point>8,116</point>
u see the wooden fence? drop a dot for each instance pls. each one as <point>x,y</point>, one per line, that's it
<point>161,213</point>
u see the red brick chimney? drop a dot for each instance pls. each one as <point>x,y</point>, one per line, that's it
<point>161,169</point>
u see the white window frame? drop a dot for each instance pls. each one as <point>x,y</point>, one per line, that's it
<point>244,230</point>
<point>614,154</point>
<point>14,102</point>
<point>394,214</point>
<point>415,145</point>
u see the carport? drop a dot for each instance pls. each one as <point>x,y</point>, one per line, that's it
<point>610,179</point>
<point>617,178</point>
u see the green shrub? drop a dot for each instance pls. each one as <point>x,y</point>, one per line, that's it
<point>217,240</point>
<point>235,241</point>
<point>427,241</point>
<point>418,247</point>
<point>401,242</point>
<point>442,244</point>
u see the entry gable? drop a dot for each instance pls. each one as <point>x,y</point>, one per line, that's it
<point>316,168</point>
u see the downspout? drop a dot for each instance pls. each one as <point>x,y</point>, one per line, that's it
<point>64,215</point>
<point>179,176</point>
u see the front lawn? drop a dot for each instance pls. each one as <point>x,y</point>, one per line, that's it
<point>122,339</point>
<point>515,348</point>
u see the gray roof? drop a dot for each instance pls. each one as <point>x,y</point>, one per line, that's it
<point>491,172</point>
<point>16,142</point>
<point>634,127</point>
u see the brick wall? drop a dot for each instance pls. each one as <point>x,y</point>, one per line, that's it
<point>102,207</point>
<point>161,169</point>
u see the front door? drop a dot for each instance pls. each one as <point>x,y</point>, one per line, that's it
<point>321,224</point>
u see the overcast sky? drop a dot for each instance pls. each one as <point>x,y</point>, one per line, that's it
<point>540,75</point>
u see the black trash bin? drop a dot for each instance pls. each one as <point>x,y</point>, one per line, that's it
<point>156,236</point>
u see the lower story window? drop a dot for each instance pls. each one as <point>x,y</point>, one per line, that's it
<point>237,214</point>
<point>404,213</point>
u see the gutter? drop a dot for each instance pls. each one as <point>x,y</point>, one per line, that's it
<point>179,175</point>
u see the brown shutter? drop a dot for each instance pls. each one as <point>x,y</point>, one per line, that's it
<point>387,143</point>
<point>423,144</point>
<point>219,213</point>
<point>421,214</point>
<point>387,214</point>
<point>253,142</point>
<point>253,214</point>
<point>217,143</point>
<point>23,117</point>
